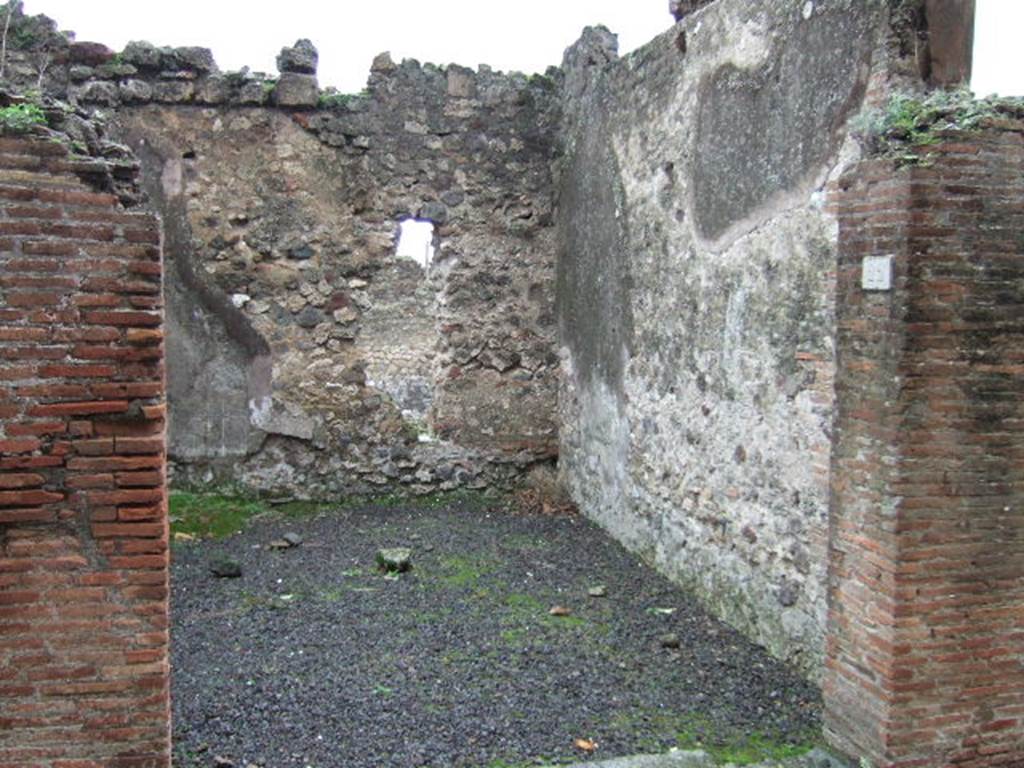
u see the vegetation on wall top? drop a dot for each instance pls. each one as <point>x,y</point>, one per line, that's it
<point>21,118</point>
<point>909,123</point>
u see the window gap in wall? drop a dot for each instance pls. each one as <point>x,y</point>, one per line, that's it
<point>416,241</point>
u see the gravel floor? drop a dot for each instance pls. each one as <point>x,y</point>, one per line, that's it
<point>313,658</point>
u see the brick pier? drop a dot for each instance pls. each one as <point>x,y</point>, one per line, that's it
<point>83,523</point>
<point>926,629</point>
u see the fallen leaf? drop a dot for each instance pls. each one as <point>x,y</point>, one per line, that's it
<point>560,610</point>
<point>182,536</point>
<point>585,744</point>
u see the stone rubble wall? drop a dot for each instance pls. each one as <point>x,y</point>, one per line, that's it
<point>697,248</point>
<point>304,357</point>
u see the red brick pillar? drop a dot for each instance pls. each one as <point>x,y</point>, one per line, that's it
<point>83,505</point>
<point>925,656</point>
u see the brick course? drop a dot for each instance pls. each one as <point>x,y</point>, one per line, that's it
<point>83,523</point>
<point>926,627</point>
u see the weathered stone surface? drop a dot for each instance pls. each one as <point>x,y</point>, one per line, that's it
<point>99,92</point>
<point>89,54</point>
<point>135,91</point>
<point>79,73</point>
<point>142,54</point>
<point>669,640</point>
<point>682,8</point>
<point>195,58</point>
<point>115,70</point>
<point>215,89</point>
<point>296,90</point>
<point>394,559</point>
<point>309,317</point>
<point>461,82</point>
<point>174,91</point>
<point>382,63</point>
<point>301,58</point>
<point>433,211</point>
<point>791,102</point>
<point>254,92</point>
<point>287,420</point>
<point>226,568</point>
<point>696,303</point>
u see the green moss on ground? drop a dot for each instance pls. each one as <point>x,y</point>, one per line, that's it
<point>725,745</point>
<point>217,514</point>
<point>211,516</point>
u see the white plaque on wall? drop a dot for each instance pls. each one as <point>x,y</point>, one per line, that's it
<point>876,273</point>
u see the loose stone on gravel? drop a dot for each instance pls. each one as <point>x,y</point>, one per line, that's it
<point>394,559</point>
<point>225,568</point>
<point>287,541</point>
<point>598,591</point>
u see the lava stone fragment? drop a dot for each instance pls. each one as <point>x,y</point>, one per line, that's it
<point>296,90</point>
<point>226,568</point>
<point>394,559</point>
<point>301,58</point>
<point>309,317</point>
<point>142,54</point>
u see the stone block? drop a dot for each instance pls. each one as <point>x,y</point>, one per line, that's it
<point>142,54</point>
<point>195,58</point>
<point>301,58</point>
<point>213,90</point>
<point>296,90</point>
<point>254,92</point>
<point>89,54</point>
<point>135,91</point>
<point>174,91</point>
<point>99,92</point>
<point>461,82</point>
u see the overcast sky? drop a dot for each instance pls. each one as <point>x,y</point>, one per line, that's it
<point>525,35</point>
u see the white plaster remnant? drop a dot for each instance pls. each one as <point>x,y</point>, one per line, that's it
<point>259,410</point>
<point>287,419</point>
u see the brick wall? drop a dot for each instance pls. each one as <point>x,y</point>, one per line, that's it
<point>83,524</point>
<point>926,626</point>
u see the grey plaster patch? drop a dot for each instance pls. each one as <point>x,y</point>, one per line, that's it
<point>593,284</point>
<point>768,130</point>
